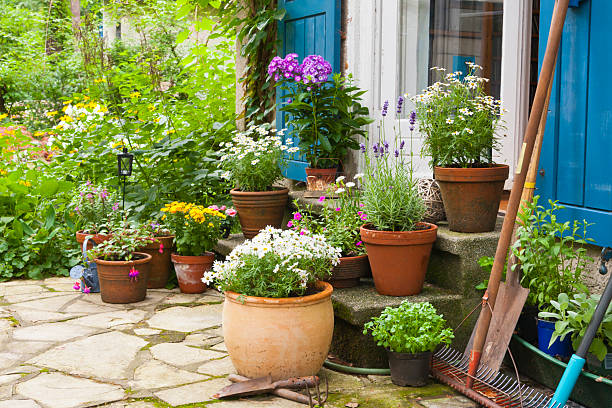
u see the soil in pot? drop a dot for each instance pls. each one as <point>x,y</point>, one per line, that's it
<point>471,196</point>
<point>160,261</point>
<point>320,179</point>
<point>116,285</point>
<point>409,370</point>
<point>97,238</point>
<point>349,271</point>
<point>558,348</point>
<point>258,209</point>
<point>190,271</point>
<point>399,259</point>
<point>286,337</point>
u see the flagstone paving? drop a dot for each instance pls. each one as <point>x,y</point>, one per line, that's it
<point>63,349</point>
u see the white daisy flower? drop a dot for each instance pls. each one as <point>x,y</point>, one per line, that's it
<point>350,184</point>
<point>339,179</point>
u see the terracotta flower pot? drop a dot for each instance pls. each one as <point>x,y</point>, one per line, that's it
<point>471,196</point>
<point>399,259</point>
<point>258,209</point>
<point>97,238</point>
<point>116,285</point>
<point>347,273</point>
<point>160,261</point>
<point>190,271</point>
<point>287,337</point>
<point>320,179</point>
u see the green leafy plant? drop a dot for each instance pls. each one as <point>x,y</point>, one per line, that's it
<point>409,328</point>
<point>459,119</point>
<point>572,316</point>
<point>551,254</point>
<point>96,208</point>
<point>121,245</point>
<point>255,158</point>
<point>275,264</point>
<point>196,228</point>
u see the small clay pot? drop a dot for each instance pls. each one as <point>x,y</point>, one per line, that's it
<point>471,196</point>
<point>348,272</point>
<point>116,286</point>
<point>258,209</point>
<point>409,370</point>
<point>399,259</point>
<point>190,271</point>
<point>160,261</point>
<point>320,179</point>
<point>97,238</point>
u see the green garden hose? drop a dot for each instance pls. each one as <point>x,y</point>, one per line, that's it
<point>356,370</point>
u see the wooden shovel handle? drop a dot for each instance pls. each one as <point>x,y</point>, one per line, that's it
<point>280,392</point>
<point>297,382</point>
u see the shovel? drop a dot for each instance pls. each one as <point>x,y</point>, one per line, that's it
<point>264,385</point>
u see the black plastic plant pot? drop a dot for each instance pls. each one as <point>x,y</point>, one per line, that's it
<point>409,369</point>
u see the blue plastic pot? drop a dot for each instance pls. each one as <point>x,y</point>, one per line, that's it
<point>558,348</point>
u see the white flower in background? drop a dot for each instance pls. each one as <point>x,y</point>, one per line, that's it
<point>292,149</point>
<point>455,133</point>
<point>226,175</point>
<point>340,191</point>
<point>470,131</point>
<point>254,162</point>
<point>358,176</point>
<point>340,178</point>
<point>450,121</point>
<point>350,184</point>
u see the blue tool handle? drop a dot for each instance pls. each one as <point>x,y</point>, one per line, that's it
<point>566,385</point>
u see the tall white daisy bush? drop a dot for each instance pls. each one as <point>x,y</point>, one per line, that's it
<point>255,158</point>
<point>275,264</point>
<point>459,119</point>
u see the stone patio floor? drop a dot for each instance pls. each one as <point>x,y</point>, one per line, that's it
<point>61,349</point>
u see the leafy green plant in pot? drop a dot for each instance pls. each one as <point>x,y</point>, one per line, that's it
<point>324,113</point>
<point>96,212</point>
<point>254,162</point>
<point>460,123</point>
<point>122,272</point>
<point>397,241</point>
<point>197,230</point>
<point>277,303</point>
<point>339,223</point>
<point>409,333</point>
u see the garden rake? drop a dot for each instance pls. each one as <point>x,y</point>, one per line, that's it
<point>464,371</point>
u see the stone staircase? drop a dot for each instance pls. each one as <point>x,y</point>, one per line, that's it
<point>451,278</point>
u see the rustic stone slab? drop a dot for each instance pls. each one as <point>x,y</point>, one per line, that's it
<point>218,367</point>
<point>187,319</point>
<point>111,319</point>
<point>60,331</point>
<point>155,374</point>
<point>192,393</point>
<point>182,355</point>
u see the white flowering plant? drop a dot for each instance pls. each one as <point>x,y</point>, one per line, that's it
<point>255,158</point>
<point>459,119</point>
<point>275,264</point>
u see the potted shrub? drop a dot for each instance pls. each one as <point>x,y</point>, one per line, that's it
<point>397,241</point>
<point>409,333</point>
<point>460,123</point>
<point>339,223</point>
<point>254,162</point>
<point>122,271</point>
<point>96,211</point>
<point>160,248</point>
<point>197,230</point>
<point>278,318</point>
<point>325,114</point>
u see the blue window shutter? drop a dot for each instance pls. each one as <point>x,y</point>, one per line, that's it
<point>309,27</point>
<point>575,165</point>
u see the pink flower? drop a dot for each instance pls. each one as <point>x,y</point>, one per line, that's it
<point>361,205</point>
<point>214,207</point>
<point>133,273</point>
<point>88,183</point>
<point>297,216</point>
<point>89,195</point>
<point>290,224</point>
<point>338,208</point>
<point>321,199</point>
<point>77,285</point>
<point>231,212</point>
<point>161,248</point>
<point>222,208</point>
<point>359,243</point>
<point>363,217</point>
<point>86,289</point>
<point>115,206</point>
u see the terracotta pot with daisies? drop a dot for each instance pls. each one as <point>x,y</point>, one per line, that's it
<point>197,230</point>
<point>122,272</point>
<point>253,161</point>
<point>461,123</point>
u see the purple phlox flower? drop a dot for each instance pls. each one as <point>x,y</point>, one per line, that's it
<point>81,194</point>
<point>400,102</point>
<point>89,195</point>
<point>290,224</point>
<point>88,183</point>
<point>358,243</point>
<point>77,285</point>
<point>402,144</point>
<point>321,199</point>
<point>77,210</point>
<point>115,206</point>
<point>287,68</point>
<point>338,208</point>
<point>104,194</point>
<point>412,120</point>
<point>86,289</point>
<point>315,69</point>
<point>385,108</point>
<point>396,153</point>
<point>362,146</point>
<point>297,216</point>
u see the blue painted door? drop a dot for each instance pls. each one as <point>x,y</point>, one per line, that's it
<point>576,165</point>
<point>309,27</point>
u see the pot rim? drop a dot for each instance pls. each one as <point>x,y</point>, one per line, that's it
<point>399,238</point>
<point>417,356</point>
<point>256,301</point>
<point>497,172</point>
<point>192,259</point>
<point>144,260</point>
<point>354,257</point>
<point>237,192</point>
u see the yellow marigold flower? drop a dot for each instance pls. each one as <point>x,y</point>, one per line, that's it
<point>135,94</point>
<point>4,115</point>
<point>66,119</point>
<point>97,81</point>
<point>52,113</point>
<point>210,224</point>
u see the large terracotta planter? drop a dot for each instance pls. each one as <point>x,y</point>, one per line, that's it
<point>160,261</point>
<point>97,238</point>
<point>348,272</point>
<point>320,179</point>
<point>258,209</point>
<point>287,337</point>
<point>116,286</point>
<point>399,259</point>
<point>471,196</point>
<point>190,271</point>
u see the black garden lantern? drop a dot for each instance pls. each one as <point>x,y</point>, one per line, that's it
<point>124,167</point>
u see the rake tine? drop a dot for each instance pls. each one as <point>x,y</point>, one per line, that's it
<point>309,396</point>
<point>326,392</point>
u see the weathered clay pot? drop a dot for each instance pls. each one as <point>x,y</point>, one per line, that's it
<point>320,179</point>
<point>97,238</point>
<point>471,196</point>
<point>190,271</point>
<point>287,337</point>
<point>349,271</point>
<point>399,259</point>
<point>258,209</point>
<point>116,286</point>
<point>160,261</point>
